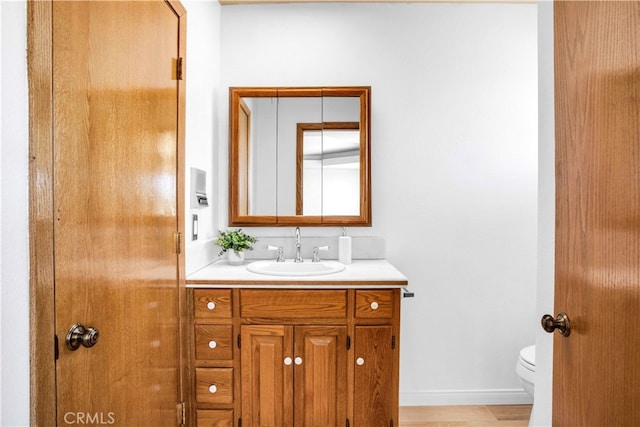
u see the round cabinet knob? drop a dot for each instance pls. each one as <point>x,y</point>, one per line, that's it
<point>211,305</point>
<point>287,361</point>
<point>298,360</point>
<point>213,344</point>
<point>359,361</point>
<point>374,305</point>
<point>213,388</point>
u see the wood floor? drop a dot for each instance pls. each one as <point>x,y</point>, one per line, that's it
<point>465,416</point>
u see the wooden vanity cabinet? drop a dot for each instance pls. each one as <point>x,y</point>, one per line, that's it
<point>300,357</point>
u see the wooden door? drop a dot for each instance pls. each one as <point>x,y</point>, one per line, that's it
<point>116,139</point>
<point>266,370</point>
<point>320,375</point>
<point>244,176</point>
<point>597,79</point>
<point>374,390</point>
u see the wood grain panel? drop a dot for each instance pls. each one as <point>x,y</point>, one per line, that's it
<point>217,418</point>
<point>212,304</point>
<point>597,81</point>
<point>373,388</point>
<point>214,385</point>
<point>295,304</point>
<point>116,140</point>
<point>213,342</point>
<point>374,304</point>
<point>267,383</point>
<point>321,378</point>
<point>41,278</point>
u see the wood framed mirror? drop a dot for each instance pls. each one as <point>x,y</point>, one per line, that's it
<point>299,156</point>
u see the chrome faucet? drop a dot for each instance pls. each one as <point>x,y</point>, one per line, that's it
<point>298,246</point>
<point>316,252</point>
<point>280,250</point>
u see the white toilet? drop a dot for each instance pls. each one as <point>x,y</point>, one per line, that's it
<point>526,368</point>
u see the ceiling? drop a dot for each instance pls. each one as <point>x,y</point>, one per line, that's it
<point>232,2</point>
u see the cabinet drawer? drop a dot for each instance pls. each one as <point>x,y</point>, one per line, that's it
<point>212,303</point>
<point>214,385</point>
<point>297,304</point>
<point>374,304</point>
<point>214,342</point>
<point>220,418</point>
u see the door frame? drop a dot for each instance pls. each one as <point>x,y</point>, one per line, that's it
<point>42,366</point>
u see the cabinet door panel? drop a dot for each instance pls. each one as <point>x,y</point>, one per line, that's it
<point>267,383</point>
<point>320,375</point>
<point>374,370</point>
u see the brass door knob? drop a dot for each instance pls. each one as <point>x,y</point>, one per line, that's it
<point>561,323</point>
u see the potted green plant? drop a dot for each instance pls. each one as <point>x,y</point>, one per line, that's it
<point>235,242</point>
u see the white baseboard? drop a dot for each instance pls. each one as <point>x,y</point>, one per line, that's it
<point>465,397</point>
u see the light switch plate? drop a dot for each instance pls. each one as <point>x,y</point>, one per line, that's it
<point>194,227</point>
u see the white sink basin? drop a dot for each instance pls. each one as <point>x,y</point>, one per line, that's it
<point>290,268</point>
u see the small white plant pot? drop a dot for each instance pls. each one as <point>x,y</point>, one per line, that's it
<point>235,258</point>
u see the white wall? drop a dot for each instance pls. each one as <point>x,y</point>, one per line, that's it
<point>454,164</point>
<point>203,73</point>
<point>14,217</point>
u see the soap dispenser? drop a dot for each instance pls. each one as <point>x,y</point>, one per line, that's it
<point>344,247</point>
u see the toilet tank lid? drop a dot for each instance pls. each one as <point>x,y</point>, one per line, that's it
<point>528,354</point>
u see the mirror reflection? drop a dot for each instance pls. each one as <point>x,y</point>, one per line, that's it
<point>299,156</point>
<point>328,175</point>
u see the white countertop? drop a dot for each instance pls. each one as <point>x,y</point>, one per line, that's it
<point>376,273</point>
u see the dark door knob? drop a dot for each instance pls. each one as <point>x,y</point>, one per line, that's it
<point>561,323</point>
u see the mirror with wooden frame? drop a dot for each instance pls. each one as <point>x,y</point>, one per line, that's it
<point>299,156</point>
